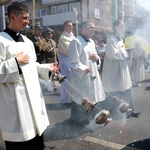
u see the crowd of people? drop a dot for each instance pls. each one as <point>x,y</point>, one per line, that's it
<point>95,73</point>
<point>75,56</point>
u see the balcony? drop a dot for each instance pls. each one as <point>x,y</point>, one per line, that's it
<point>52,2</point>
<point>58,19</point>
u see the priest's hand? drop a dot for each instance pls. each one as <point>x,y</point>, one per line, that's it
<point>94,57</point>
<point>22,58</point>
<point>88,70</point>
<point>54,67</point>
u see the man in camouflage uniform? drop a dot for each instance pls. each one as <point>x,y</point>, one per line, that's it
<point>51,53</point>
<point>40,43</point>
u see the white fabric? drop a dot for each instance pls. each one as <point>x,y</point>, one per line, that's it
<point>115,75</point>
<point>101,51</point>
<point>64,42</point>
<point>63,50</point>
<point>48,85</point>
<point>137,69</point>
<point>82,84</point>
<point>22,108</point>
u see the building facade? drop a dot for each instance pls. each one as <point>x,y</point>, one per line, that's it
<point>53,13</point>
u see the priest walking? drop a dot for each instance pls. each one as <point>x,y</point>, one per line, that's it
<point>84,62</point>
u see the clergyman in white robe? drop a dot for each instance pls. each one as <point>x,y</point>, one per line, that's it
<point>21,97</point>
<point>63,50</point>
<point>116,77</point>
<point>84,84</point>
<point>139,57</point>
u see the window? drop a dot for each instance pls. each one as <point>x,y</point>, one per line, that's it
<point>40,13</point>
<point>97,13</point>
<point>53,10</point>
<point>62,8</point>
<point>43,12</point>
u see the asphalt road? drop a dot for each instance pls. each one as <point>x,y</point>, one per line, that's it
<point>123,134</point>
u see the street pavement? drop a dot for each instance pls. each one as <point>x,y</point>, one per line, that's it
<point>123,134</point>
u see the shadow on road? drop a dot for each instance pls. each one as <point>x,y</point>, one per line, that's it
<point>75,126</point>
<point>68,129</point>
<point>146,80</point>
<point>147,88</point>
<point>140,145</point>
<point>58,106</point>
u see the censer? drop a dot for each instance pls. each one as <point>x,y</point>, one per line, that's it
<point>102,118</point>
<point>88,105</point>
<point>121,105</point>
<point>59,77</point>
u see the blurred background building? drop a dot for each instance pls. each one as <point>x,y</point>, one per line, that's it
<point>53,13</point>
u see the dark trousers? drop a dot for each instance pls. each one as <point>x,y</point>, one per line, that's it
<point>36,143</point>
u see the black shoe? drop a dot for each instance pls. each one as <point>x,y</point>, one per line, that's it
<point>147,88</point>
<point>133,114</point>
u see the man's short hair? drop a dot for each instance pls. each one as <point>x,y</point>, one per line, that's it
<point>17,8</point>
<point>67,21</point>
<point>85,23</point>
